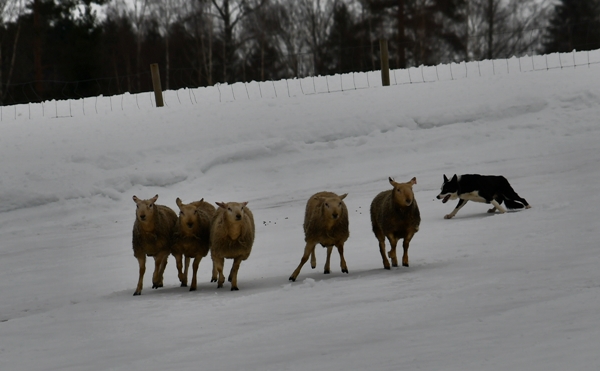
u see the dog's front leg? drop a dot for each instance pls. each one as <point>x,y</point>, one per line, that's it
<point>461,203</point>
<point>497,206</point>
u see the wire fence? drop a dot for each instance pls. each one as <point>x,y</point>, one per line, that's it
<point>288,88</point>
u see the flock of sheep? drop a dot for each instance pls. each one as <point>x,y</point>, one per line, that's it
<point>228,232</point>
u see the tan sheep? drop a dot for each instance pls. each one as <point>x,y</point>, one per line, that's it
<point>395,215</point>
<point>152,236</point>
<point>231,237</point>
<point>325,222</point>
<point>191,237</point>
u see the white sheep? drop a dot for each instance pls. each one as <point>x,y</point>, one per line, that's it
<point>325,222</point>
<point>152,236</point>
<point>191,237</point>
<point>231,237</point>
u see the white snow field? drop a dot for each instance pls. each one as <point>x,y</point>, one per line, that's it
<point>514,291</point>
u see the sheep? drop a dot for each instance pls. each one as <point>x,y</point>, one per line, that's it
<point>395,215</point>
<point>191,237</point>
<point>231,237</point>
<point>325,222</point>
<point>152,236</point>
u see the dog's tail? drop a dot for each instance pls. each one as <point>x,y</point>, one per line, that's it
<point>512,204</point>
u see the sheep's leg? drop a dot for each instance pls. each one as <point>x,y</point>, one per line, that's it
<point>340,248</point>
<point>219,267</point>
<point>405,244</point>
<point>214,273</point>
<point>234,273</point>
<point>313,260</point>
<point>308,250</point>
<point>163,266</point>
<point>329,249</point>
<point>195,265</point>
<point>160,263</point>
<point>179,263</point>
<point>381,239</point>
<point>140,284</point>
<point>185,270</point>
<point>392,253</point>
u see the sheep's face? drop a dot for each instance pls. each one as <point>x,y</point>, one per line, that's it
<point>234,211</point>
<point>145,208</point>
<point>403,193</point>
<point>333,206</point>
<point>188,215</point>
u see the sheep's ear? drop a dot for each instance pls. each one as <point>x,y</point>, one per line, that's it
<point>153,199</point>
<point>178,202</point>
<point>392,181</point>
<point>343,196</point>
<point>244,204</point>
<point>221,204</point>
<point>202,200</point>
<point>413,181</point>
<point>135,199</point>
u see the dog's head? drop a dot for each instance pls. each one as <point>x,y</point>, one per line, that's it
<point>449,189</point>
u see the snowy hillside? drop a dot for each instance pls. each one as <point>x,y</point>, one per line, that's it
<point>518,291</point>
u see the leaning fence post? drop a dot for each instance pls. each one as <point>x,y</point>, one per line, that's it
<point>385,64</point>
<point>156,84</point>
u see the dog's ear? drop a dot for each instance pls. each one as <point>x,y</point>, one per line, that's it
<point>455,178</point>
<point>445,179</point>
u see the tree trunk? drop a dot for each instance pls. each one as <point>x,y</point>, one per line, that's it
<point>401,35</point>
<point>37,49</point>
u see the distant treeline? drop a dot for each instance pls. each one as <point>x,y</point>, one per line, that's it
<point>58,49</point>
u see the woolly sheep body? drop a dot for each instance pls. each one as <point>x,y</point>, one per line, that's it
<point>395,215</point>
<point>191,237</point>
<point>231,237</point>
<point>325,222</point>
<point>152,236</point>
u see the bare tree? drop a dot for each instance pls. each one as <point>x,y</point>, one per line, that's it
<point>503,28</point>
<point>165,13</point>
<point>138,15</point>
<point>9,9</point>
<point>230,13</point>
<point>316,17</point>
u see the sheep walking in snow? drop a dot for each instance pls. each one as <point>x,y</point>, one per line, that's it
<point>395,215</point>
<point>152,236</point>
<point>325,222</point>
<point>231,237</point>
<point>191,237</point>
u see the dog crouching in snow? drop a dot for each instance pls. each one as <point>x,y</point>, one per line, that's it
<point>489,189</point>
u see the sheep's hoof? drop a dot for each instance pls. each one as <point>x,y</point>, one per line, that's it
<point>345,270</point>
<point>386,267</point>
<point>219,285</point>
<point>213,280</point>
<point>394,264</point>
<point>448,216</point>
<point>157,285</point>
<point>405,264</point>
<point>192,289</point>
<point>292,279</point>
<point>234,289</point>
<point>313,266</point>
<point>326,271</point>
<point>137,293</point>
<point>183,284</point>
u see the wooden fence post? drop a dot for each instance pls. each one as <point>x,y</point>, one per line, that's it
<point>156,84</point>
<point>385,63</point>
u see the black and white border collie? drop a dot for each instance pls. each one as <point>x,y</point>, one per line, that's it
<point>490,189</point>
